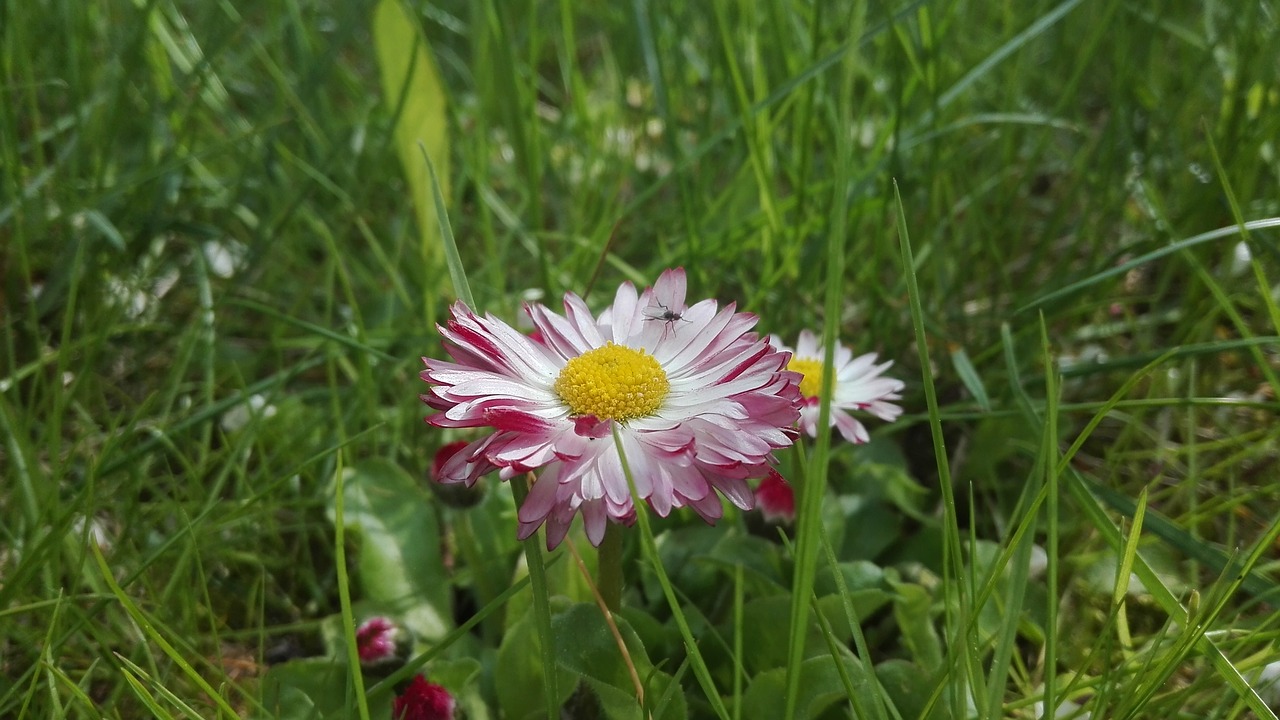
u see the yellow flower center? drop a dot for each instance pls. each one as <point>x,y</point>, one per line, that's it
<point>613,382</point>
<point>811,383</point>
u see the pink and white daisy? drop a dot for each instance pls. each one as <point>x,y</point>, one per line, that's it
<point>698,401</point>
<point>858,385</point>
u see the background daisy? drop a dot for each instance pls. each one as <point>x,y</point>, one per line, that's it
<point>859,385</point>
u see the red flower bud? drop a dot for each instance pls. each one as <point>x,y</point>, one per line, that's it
<point>422,700</point>
<point>775,498</point>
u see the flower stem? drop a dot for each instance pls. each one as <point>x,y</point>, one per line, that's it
<point>609,572</point>
<point>541,608</point>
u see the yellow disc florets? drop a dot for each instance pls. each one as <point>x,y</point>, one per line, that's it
<point>613,382</point>
<point>811,383</point>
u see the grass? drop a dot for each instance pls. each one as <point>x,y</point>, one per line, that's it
<point>217,284</point>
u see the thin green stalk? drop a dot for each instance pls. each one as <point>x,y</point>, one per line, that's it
<point>1051,473</point>
<point>609,572</point>
<point>650,548</point>
<point>738,669</point>
<point>541,607</point>
<point>148,628</point>
<point>813,487</point>
<point>457,272</point>
<point>1264,287</point>
<point>951,554</point>
<point>344,592</point>
<point>859,639</point>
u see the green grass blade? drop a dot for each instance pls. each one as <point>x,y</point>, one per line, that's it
<point>650,548</point>
<point>882,703</point>
<point>344,592</point>
<point>148,628</point>
<point>1124,571</point>
<point>1051,478</point>
<point>957,618</point>
<point>541,606</point>
<point>1171,248</point>
<point>1264,287</point>
<point>457,272</point>
<point>1177,613</point>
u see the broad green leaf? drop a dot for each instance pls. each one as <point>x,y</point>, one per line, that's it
<point>412,89</point>
<point>312,689</point>
<point>519,672</point>
<point>287,702</point>
<point>909,687</point>
<point>399,561</point>
<point>584,645</point>
<point>766,644</point>
<point>681,551</point>
<point>912,608</point>
<point>564,579</point>
<point>867,529</point>
<point>820,688</point>
<point>863,580</point>
<point>764,647</point>
<point>894,484</point>
<point>760,558</point>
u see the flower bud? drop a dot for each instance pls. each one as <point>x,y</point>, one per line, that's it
<point>775,499</point>
<point>379,641</point>
<point>454,495</point>
<point>421,700</point>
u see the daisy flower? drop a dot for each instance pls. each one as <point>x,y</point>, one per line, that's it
<point>858,386</point>
<point>698,401</point>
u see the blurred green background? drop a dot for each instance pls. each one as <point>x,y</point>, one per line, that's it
<point>220,265</point>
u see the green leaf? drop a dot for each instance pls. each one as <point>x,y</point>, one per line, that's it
<point>584,645</point>
<point>766,645</point>
<point>868,528</point>
<point>969,376</point>
<point>411,86</point>
<point>912,608</point>
<point>519,669</point>
<point>864,582</point>
<point>909,687</point>
<point>399,561</point>
<point>895,484</point>
<point>564,580</point>
<point>820,687</point>
<point>759,557</point>
<point>681,552</point>
<point>310,689</point>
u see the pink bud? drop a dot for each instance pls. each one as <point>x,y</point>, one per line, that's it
<point>376,640</point>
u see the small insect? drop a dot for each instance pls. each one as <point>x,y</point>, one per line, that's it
<point>665,314</point>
